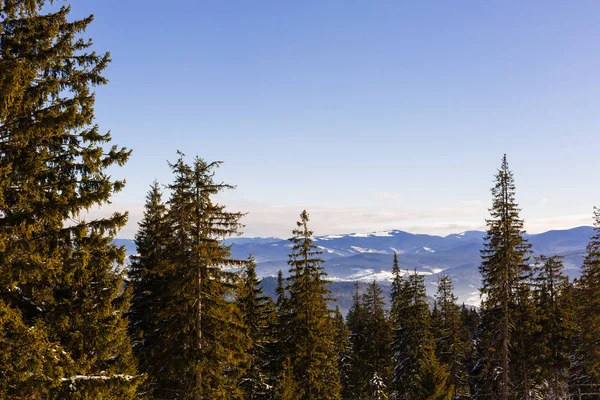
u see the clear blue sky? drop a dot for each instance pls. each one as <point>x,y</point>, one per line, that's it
<point>372,114</point>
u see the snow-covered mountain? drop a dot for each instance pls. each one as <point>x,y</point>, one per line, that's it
<point>368,256</point>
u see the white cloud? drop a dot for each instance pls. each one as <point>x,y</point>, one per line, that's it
<point>538,225</point>
<point>273,220</point>
<point>472,203</point>
<point>387,196</point>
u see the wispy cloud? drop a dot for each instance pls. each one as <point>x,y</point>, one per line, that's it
<point>273,220</point>
<point>538,225</point>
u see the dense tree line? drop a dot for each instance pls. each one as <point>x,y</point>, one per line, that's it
<point>188,321</point>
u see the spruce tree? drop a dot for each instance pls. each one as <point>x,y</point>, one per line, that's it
<point>312,348</point>
<point>257,313</point>
<point>146,277</point>
<point>524,344</point>
<point>58,276</point>
<point>395,294</point>
<point>378,338</point>
<point>555,318</point>
<point>587,294</point>
<point>204,339</point>
<point>343,347</point>
<point>452,339</point>
<point>278,346</point>
<point>30,365</point>
<point>287,387</point>
<point>417,372</point>
<point>352,379</point>
<point>504,264</point>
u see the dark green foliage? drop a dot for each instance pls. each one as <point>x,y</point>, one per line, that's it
<point>451,337</point>
<point>503,268</point>
<point>378,335</point>
<point>525,346</point>
<point>258,312</point>
<point>277,348</point>
<point>146,277</point>
<point>352,380</point>
<point>311,332</point>
<point>552,342</point>
<point>343,348</point>
<point>368,372</point>
<point>587,295</point>
<point>204,341</point>
<point>58,270</point>
<point>417,372</point>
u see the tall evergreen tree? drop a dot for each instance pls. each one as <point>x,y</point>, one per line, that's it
<point>312,347</point>
<point>555,318</point>
<point>378,335</point>
<point>146,277</point>
<point>204,339</point>
<point>352,379</point>
<point>257,313</point>
<point>587,294</point>
<point>395,294</point>
<point>343,348</point>
<point>504,264</point>
<point>277,348</point>
<point>452,339</point>
<point>58,276</point>
<point>417,372</point>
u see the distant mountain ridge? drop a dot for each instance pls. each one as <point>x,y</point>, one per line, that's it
<point>368,256</point>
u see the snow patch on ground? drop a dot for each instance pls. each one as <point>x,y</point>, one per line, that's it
<point>436,270</point>
<point>329,237</point>
<point>382,234</point>
<point>372,251</point>
<point>331,251</point>
<point>369,275</point>
<point>471,299</point>
<point>429,249</point>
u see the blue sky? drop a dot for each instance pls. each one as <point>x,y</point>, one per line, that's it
<point>378,114</point>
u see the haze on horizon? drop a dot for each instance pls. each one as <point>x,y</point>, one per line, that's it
<point>370,115</point>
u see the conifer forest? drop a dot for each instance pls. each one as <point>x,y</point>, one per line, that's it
<point>186,320</point>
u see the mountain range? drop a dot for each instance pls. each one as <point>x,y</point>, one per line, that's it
<point>365,257</point>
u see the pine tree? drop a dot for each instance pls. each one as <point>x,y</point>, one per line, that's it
<point>204,339</point>
<point>504,263</point>
<point>587,294</point>
<point>555,318</point>
<point>312,349</point>
<point>257,312</point>
<point>58,276</point>
<point>146,277</point>
<point>452,340</point>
